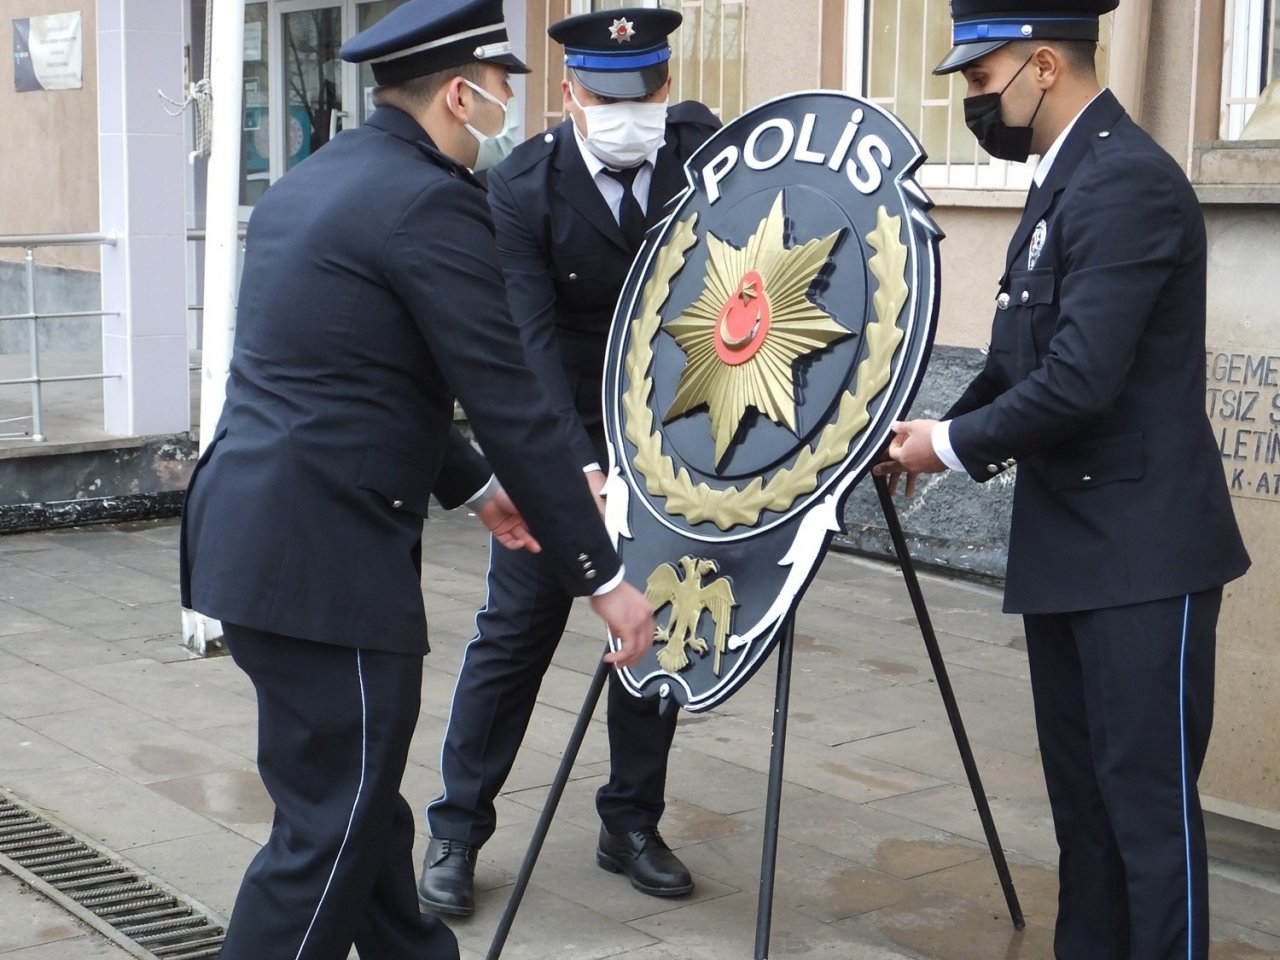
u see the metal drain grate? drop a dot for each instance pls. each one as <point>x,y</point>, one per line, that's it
<point>136,910</point>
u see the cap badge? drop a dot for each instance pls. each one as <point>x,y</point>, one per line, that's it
<point>622,30</point>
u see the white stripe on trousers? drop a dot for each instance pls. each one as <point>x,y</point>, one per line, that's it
<point>364,749</point>
<point>1182,731</point>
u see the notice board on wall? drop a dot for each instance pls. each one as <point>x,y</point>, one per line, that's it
<point>48,53</point>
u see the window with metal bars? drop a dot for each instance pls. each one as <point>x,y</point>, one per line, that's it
<point>708,61</point>
<point>891,48</point>
<point>1251,70</point>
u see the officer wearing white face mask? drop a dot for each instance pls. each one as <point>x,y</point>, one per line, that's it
<point>570,208</point>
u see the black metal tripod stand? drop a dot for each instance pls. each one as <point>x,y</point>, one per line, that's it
<point>773,804</point>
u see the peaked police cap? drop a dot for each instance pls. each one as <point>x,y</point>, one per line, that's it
<point>620,54</point>
<point>426,36</point>
<point>980,26</point>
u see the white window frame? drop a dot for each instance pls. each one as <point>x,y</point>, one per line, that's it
<point>949,170</point>
<point>351,93</point>
<point>1245,58</point>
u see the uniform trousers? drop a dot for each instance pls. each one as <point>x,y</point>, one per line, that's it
<point>334,725</point>
<point>1124,705</point>
<point>517,632</point>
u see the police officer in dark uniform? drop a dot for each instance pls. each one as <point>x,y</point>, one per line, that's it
<point>1122,534</point>
<point>371,296</point>
<point>570,207</point>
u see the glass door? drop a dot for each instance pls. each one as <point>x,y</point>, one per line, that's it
<point>297,93</point>
<point>367,15</point>
<point>310,95</point>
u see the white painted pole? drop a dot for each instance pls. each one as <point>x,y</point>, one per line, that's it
<point>221,248</point>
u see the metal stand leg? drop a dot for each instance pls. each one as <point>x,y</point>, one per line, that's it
<point>773,806</point>
<point>548,811</point>
<point>949,701</point>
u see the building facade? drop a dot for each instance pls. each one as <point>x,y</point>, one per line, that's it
<point>1202,75</point>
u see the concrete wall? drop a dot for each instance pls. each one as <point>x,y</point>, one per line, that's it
<point>772,30</point>
<point>57,288</point>
<point>50,153</point>
<point>1242,775</point>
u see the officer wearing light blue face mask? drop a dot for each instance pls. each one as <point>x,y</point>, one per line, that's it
<point>372,298</point>
<point>570,210</point>
<point>493,147</point>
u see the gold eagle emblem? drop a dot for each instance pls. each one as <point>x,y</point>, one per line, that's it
<point>688,598</point>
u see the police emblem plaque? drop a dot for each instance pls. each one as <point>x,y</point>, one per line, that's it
<point>772,327</point>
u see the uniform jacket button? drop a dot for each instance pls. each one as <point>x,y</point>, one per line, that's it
<point>1026,296</point>
<point>583,556</point>
<point>573,276</point>
<point>992,468</point>
<point>397,504</point>
<point>1086,478</point>
<point>547,138</point>
<point>1002,301</point>
<point>590,574</point>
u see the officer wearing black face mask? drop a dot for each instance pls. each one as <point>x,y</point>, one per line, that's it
<point>1122,534</point>
<point>983,115</point>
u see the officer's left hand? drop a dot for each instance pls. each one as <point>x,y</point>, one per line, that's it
<point>502,518</point>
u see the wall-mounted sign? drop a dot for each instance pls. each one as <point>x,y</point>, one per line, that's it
<point>47,53</point>
<point>1243,400</point>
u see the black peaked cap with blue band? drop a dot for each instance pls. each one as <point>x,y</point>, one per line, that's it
<point>425,36</point>
<point>980,26</point>
<point>620,54</point>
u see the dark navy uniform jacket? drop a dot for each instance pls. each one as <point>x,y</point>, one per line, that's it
<point>565,258</point>
<point>1095,384</point>
<point>371,297</point>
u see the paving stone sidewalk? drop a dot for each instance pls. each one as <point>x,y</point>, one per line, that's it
<point>110,725</point>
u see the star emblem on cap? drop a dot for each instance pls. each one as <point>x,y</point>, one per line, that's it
<point>622,30</point>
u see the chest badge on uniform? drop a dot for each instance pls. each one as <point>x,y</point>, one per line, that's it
<point>1038,237</point>
<point>770,330</point>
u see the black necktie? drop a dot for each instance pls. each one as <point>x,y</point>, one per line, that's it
<point>630,216</point>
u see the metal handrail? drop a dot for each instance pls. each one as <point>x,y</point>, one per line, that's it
<point>58,239</point>
<point>198,235</point>
<point>30,242</point>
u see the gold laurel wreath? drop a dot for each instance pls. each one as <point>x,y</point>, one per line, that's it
<point>730,506</point>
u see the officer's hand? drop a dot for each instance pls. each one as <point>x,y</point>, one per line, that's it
<point>912,450</point>
<point>502,518</point>
<point>889,468</point>
<point>630,619</point>
<point>595,480</point>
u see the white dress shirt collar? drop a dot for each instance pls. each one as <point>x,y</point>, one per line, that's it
<point>1042,168</point>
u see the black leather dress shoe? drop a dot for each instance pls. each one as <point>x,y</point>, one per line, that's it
<point>448,882</point>
<point>646,860</point>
